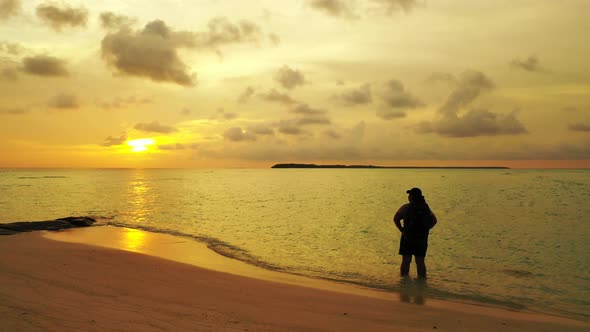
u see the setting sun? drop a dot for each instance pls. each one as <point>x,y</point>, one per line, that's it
<point>140,145</point>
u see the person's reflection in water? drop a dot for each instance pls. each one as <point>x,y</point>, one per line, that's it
<point>412,291</point>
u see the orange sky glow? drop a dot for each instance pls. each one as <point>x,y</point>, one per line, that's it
<point>229,83</point>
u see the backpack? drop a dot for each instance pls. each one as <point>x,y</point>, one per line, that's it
<point>418,220</point>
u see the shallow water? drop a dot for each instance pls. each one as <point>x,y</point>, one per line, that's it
<point>516,238</point>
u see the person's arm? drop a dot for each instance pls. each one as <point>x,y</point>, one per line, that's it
<point>434,220</point>
<point>399,215</point>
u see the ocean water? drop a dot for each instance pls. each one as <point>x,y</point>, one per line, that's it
<point>515,238</point>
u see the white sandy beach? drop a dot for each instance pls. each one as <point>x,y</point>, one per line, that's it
<point>50,285</point>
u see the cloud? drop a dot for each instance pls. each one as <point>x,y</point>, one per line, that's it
<point>397,97</point>
<point>150,53</point>
<point>11,48</point>
<point>44,65</point>
<point>359,96</point>
<point>305,109</point>
<point>313,120</point>
<point>153,51</point>
<point>112,141</point>
<point>390,114</point>
<point>290,128</point>
<point>221,114</point>
<point>476,121</point>
<point>237,134</point>
<point>110,20</point>
<point>470,86</point>
<point>13,111</point>
<point>336,8</point>
<point>185,111</point>
<point>274,39</point>
<point>585,127</point>
<point>261,129</point>
<point>124,102</point>
<point>442,78</point>
<point>529,64</point>
<point>9,8</point>
<point>289,78</point>
<point>9,74</point>
<point>391,6</point>
<point>178,146</point>
<point>155,127</point>
<point>246,95</point>
<point>221,31</point>
<point>58,16</point>
<point>274,96</point>
<point>64,101</point>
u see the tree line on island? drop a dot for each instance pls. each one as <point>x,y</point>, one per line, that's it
<point>296,165</point>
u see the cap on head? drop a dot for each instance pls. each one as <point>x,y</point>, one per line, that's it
<point>415,192</point>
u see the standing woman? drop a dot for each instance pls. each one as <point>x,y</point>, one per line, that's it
<point>418,219</point>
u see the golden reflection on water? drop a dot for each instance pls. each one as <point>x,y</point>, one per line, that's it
<point>139,195</point>
<point>133,240</point>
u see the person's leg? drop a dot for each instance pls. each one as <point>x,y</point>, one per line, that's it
<point>421,267</point>
<point>405,267</point>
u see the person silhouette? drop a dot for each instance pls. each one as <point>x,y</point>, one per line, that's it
<point>418,219</point>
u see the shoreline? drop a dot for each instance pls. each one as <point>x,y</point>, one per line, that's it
<point>138,280</point>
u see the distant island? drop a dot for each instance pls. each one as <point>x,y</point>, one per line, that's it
<point>372,166</point>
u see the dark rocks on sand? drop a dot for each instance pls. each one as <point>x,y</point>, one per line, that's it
<point>49,225</point>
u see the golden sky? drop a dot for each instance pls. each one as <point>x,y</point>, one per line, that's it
<point>245,83</point>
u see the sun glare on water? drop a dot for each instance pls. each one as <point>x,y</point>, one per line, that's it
<point>140,145</point>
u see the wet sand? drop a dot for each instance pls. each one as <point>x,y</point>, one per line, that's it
<point>141,281</point>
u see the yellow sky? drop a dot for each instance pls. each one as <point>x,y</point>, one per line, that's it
<point>234,83</point>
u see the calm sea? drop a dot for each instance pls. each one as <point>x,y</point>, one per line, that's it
<point>516,238</point>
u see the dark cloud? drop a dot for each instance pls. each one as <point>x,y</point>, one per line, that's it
<point>580,127</point>
<point>246,95</point>
<point>64,101</point>
<point>290,128</point>
<point>153,51</point>
<point>470,86</point>
<point>9,8</point>
<point>397,97</point>
<point>274,39</point>
<point>221,31</point>
<point>391,6</point>
<point>124,102</point>
<point>185,111</point>
<point>332,134</point>
<point>237,134</point>
<point>11,48</point>
<point>221,114</point>
<point>261,129</point>
<point>150,53</point>
<point>442,78</point>
<point>289,78</point>
<point>336,8</point>
<point>59,16</point>
<point>476,121</point>
<point>155,127</point>
<point>305,109</point>
<point>274,96</point>
<point>13,111</point>
<point>44,65</point>
<point>359,96</point>
<point>313,120</point>
<point>110,20</point>
<point>390,114</point>
<point>112,141</point>
<point>529,64</point>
